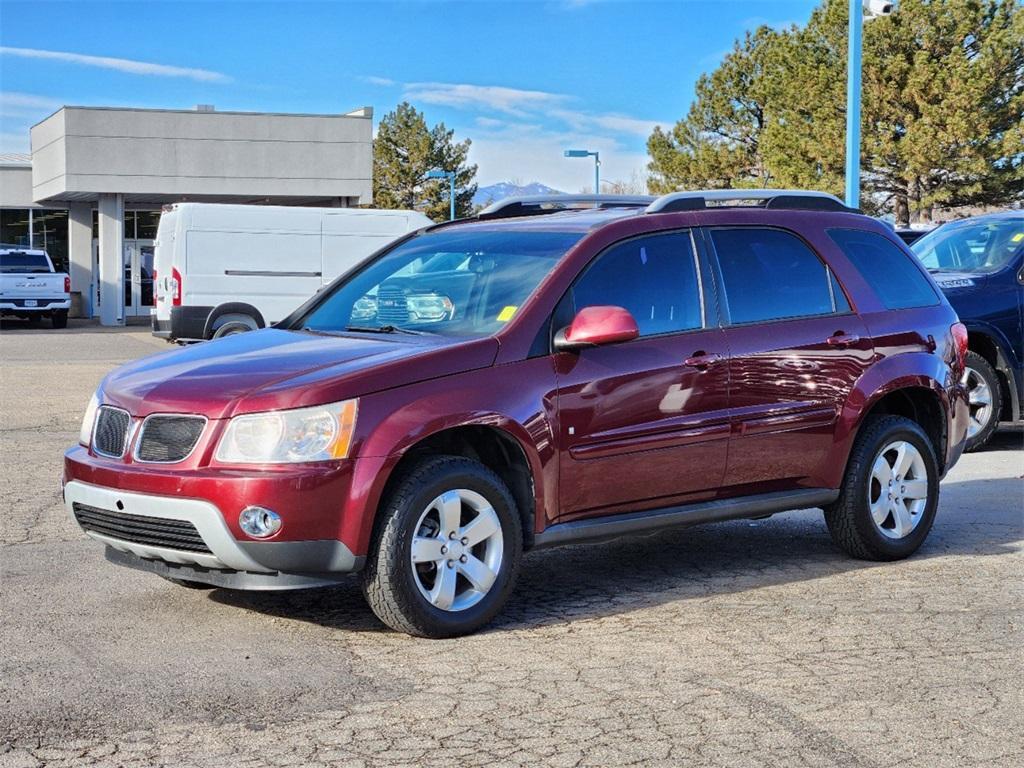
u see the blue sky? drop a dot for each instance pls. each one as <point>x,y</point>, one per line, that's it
<point>523,80</point>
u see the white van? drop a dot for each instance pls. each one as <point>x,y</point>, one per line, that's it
<point>222,269</point>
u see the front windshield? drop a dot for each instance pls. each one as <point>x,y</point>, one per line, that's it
<point>971,245</point>
<point>454,282</point>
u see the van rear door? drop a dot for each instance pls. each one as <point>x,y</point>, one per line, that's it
<point>163,263</point>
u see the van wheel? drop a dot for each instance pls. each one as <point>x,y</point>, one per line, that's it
<point>984,399</point>
<point>888,498</point>
<point>60,319</point>
<point>446,551</point>
<point>229,325</point>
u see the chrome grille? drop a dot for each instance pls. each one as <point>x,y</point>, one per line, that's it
<point>154,531</point>
<point>110,435</point>
<point>392,307</point>
<point>168,438</point>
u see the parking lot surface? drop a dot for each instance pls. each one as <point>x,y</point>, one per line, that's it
<point>752,643</point>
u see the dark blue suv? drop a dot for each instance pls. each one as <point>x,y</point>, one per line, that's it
<point>977,262</point>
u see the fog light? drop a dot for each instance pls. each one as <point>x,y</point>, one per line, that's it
<point>259,522</point>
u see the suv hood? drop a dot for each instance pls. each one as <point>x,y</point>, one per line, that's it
<point>274,369</point>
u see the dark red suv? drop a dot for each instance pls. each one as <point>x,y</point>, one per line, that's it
<point>539,375</point>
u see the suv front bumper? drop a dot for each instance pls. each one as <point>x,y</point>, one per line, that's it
<point>136,524</point>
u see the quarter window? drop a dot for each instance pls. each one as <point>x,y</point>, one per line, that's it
<point>891,273</point>
<point>654,277</point>
<point>769,274</point>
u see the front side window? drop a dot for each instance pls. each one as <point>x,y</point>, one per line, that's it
<point>654,277</point>
<point>892,275</point>
<point>971,245</point>
<point>453,282</point>
<point>768,274</point>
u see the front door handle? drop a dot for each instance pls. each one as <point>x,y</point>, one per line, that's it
<point>702,361</point>
<point>842,340</point>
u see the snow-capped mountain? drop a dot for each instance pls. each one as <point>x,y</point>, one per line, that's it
<point>496,192</point>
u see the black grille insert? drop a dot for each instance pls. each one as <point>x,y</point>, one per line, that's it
<point>392,306</point>
<point>169,438</point>
<point>154,531</point>
<point>111,433</point>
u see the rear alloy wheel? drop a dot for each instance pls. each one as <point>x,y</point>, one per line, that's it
<point>889,495</point>
<point>984,400</point>
<point>446,550</point>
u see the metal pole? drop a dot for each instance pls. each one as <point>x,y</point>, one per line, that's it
<point>451,196</point>
<point>853,67</point>
<point>597,173</point>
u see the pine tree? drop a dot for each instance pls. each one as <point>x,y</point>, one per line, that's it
<point>943,102</point>
<point>404,150</point>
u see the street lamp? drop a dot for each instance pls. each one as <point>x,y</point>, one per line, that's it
<point>876,8</point>
<point>450,175</point>
<point>597,165</point>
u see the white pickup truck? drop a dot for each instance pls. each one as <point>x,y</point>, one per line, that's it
<point>30,288</point>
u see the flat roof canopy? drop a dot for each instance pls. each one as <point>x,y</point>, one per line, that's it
<point>160,156</point>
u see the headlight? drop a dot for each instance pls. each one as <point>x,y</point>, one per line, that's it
<point>364,308</point>
<point>85,433</point>
<point>320,433</point>
<point>430,308</point>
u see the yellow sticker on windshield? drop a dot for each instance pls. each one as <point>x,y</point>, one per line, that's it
<point>506,314</point>
<point>1017,238</point>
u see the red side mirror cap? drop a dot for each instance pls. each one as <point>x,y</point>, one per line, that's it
<point>594,326</point>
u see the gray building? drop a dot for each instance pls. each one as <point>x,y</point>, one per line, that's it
<point>92,189</point>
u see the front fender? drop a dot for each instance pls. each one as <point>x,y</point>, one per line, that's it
<point>511,399</point>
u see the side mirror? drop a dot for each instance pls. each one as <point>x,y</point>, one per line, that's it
<point>594,326</point>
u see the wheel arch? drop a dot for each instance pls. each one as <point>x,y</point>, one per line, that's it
<point>232,308</point>
<point>983,341</point>
<point>498,443</point>
<point>910,385</point>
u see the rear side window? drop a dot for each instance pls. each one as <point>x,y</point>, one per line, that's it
<point>654,277</point>
<point>769,274</point>
<point>890,272</point>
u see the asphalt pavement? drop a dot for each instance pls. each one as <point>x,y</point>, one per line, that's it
<point>751,643</point>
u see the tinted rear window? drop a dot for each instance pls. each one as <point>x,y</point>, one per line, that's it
<point>20,261</point>
<point>890,272</point>
<point>769,274</point>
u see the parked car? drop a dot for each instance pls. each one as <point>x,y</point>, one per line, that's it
<point>979,265</point>
<point>30,288</point>
<point>637,365</point>
<point>224,269</point>
<point>909,235</point>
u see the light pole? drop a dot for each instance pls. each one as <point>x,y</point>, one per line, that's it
<point>876,8</point>
<point>597,165</point>
<point>450,175</point>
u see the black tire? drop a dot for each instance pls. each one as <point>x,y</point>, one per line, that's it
<point>35,319</point>
<point>60,319</point>
<point>849,517</point>
<point>188,584</point>
<point>986,373</point>
<point>389,578</point>
<point>232,327</point>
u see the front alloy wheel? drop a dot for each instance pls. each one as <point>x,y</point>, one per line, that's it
<point>446,549</point>
<point>455,563</point>
<point>984,400</point>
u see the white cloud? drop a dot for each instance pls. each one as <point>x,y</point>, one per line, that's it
<point>510,101</point>
<point>533,153</point>
<point>121,65</point>
<point>386,82</point>
<point>615,123</point>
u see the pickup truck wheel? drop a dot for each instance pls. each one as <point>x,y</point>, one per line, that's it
<point>60,318</point>
<point>984,399</point>
<point>446,551</point>
<point>888,498</point>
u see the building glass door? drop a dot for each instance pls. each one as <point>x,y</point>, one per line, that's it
<point>138,278</point>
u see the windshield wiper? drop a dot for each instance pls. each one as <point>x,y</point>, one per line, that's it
<point>385,329</point>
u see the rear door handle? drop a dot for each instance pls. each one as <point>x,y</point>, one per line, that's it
<point>702,361</point>
<point>842,340</point>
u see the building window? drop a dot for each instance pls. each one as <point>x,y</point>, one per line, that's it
<point>146,223</point>
<point>14,227</point>
<point>129,225</point>
<point>50,232</point>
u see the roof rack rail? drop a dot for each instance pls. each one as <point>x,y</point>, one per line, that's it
<point>532,205</point>
<point>792,199</point>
